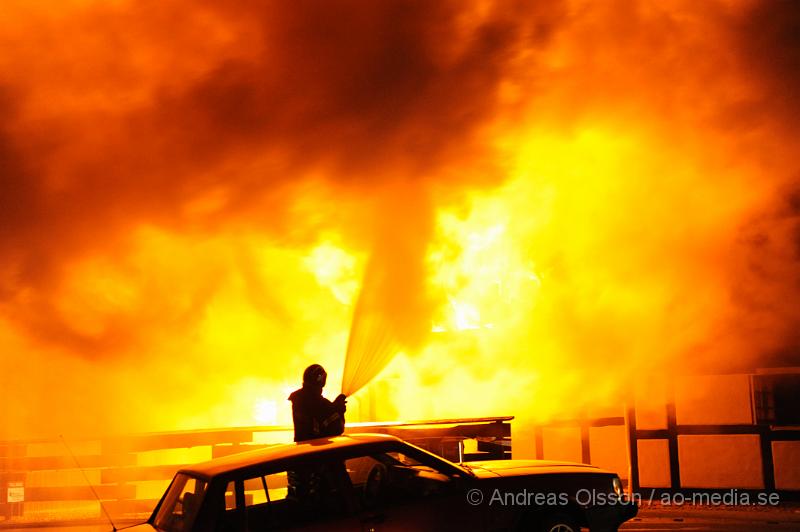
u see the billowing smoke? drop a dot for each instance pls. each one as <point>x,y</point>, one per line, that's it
<point>561,191</point>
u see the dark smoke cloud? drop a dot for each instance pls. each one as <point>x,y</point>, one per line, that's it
<point>164,102</point>
<point>356,92</point>
<point>769,41</point>
<point>17,191</point>
<point>363,90</point>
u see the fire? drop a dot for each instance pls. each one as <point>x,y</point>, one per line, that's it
<point>557,199</point>
<point>548,273</point>
<point>266,412</point>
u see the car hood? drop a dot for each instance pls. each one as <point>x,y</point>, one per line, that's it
<point>513,468</point>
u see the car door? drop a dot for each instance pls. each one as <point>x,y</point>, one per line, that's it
<point>404,494</point>
<point>268,501</point>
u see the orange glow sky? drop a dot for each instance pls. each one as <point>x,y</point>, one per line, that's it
<point>561,196</point>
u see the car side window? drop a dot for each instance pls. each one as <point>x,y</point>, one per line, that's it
<point>266,489</point>
<point>230,497</point>
<point>181,504</point>
<point>255,492</point>
<point>358,469</point>
<point>392,477</point>
<point>370,480</point>
<point>277,486</point>
<point>289,498</point>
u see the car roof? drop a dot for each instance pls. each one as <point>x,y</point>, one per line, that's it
<point>247,459</point>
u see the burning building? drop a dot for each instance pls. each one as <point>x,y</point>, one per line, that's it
<point>552,198</point>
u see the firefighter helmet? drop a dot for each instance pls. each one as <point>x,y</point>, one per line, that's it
<point>315,375</point>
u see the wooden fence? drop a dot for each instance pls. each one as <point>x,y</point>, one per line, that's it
<point>767,434</point>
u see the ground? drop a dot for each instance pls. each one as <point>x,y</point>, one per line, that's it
<point>783,518</point>
<point>780,519</point>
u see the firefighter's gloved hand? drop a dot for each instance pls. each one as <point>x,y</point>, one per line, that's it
<point>341,402</point>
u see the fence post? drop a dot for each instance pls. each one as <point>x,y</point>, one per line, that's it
<point>633,446</point>
<point>672,428</point>
<point>767,461</point>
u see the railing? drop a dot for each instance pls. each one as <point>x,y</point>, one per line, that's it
<point>585,424</point>
<point>39,479</point>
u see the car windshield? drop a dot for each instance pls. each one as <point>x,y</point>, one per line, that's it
<point>395,459</point>
<point>417,458</point>
<point>181,504</point>
<point>403,459</point>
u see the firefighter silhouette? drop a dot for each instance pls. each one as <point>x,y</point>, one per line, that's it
<point>313,415</point>
<point>316,417</point>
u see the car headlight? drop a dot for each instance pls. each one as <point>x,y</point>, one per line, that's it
<point>617,485</point>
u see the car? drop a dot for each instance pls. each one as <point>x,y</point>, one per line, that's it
<point>376,482</point>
